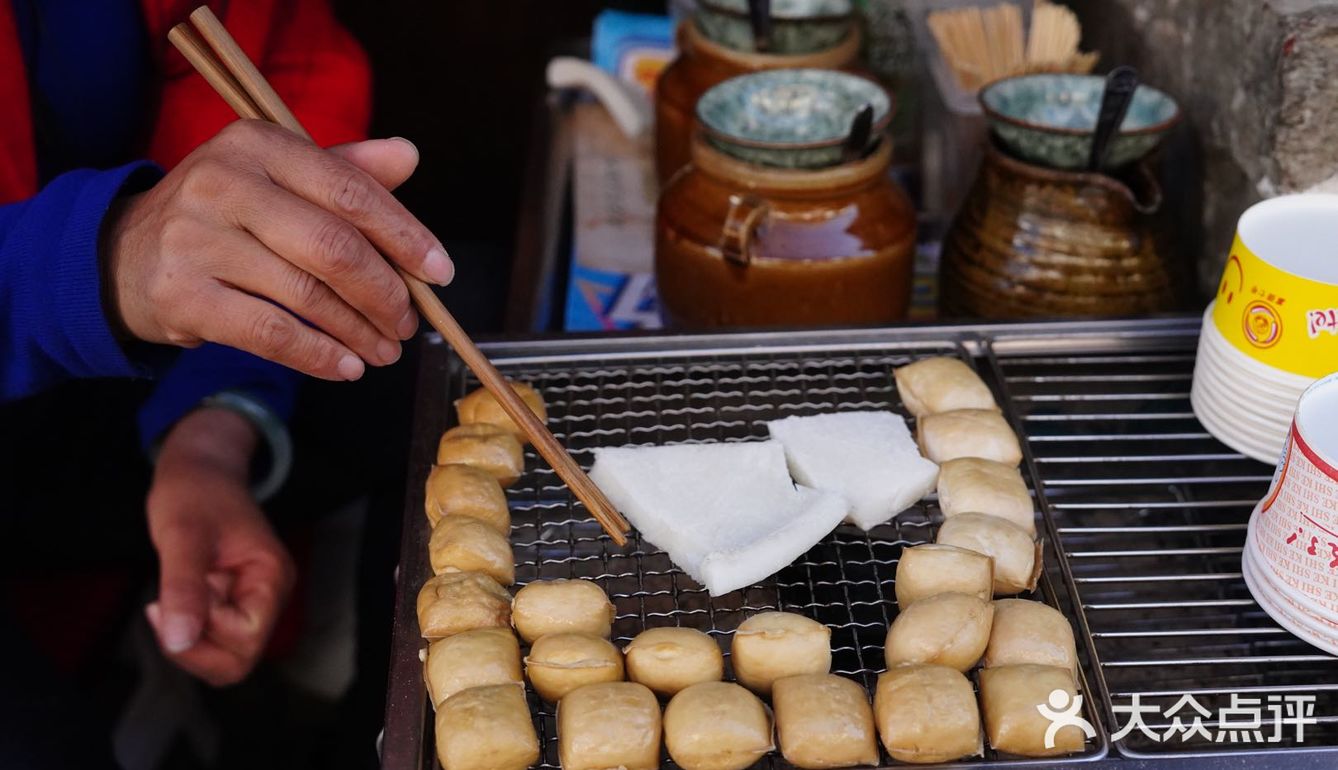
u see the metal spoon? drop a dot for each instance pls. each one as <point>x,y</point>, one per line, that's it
<point>1120,86</point>
<point>759,15</point>
<point>857,141</point>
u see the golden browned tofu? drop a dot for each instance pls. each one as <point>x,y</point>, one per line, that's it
<point>947,629</point>
<point>480,407</point>
<point>772,645</point>
<point>716,726</point>
<point>461,601</point>
<point>562,606</point>
<point>824,721</point>
<point>611,725</point>
<point>927,713</point>
<point>486,728</point>
<point>465,544</point>
<point>463,490</point>
<point>560,663</point>
<point>668,659</point>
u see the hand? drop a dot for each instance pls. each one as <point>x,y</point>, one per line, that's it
<point>224,575</point>
<point>257,228</point>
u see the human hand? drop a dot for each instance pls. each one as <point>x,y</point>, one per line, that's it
<point>224,575</point>
<point>257,228</point>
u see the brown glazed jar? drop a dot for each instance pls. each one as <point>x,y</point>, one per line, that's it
<point>744,245</point>
<point>702,64</point>
<point>1031,241</point>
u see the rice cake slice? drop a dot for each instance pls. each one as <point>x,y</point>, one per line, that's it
<point>727,514</point>
<point>870,458</point>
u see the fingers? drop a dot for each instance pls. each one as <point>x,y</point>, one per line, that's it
<point>329,248</point>
<point>239,320</point>
<point>244,622</point>
<point>257,270</point>
<point>336,185</point>
<point>389,161</point>
<point>184,552</point>
<point>215,664</point>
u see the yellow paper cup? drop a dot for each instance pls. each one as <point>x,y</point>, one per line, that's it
<point>1277,301</point>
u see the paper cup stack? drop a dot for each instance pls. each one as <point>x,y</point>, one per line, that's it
<point>1291,551</point>
<point>1272,330</point>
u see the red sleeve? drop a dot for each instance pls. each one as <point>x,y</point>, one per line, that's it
<point>316,66</point>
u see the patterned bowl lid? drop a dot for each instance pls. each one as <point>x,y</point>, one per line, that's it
<point>791,108</point>
<point>787,9</point>
<point>1068,104</point>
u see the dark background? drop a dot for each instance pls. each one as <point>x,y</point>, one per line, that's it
<point>463,80</point>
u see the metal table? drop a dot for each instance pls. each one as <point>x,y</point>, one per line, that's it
<point>1144,515</point>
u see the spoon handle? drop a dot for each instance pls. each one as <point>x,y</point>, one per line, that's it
<point>759,15</point>
<point>861,129</point>
<point>1120,86</point>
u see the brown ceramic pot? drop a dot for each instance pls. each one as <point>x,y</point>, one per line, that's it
<point>702,64</point>
<point>744,245</point>
<point>1031,241</point>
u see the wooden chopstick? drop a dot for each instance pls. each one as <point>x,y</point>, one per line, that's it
<point>237,71</point>
<point>193,48</point>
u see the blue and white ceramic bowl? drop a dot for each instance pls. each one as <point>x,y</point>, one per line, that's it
<point>797,26</point>
<point>790,118</point>
<point>1049,119</point>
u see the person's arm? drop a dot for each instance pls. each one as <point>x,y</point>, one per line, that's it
<point>322,74</point>
<point>218,377</point>
<point>224,573</point>
<point>216,407</point>
<point>54,320</point>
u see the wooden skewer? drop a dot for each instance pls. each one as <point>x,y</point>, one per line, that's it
<point>238,71</point>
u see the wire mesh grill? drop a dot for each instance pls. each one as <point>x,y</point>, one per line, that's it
<point>1147,510</point>
<point>1151,514</point>
<point>845,582</point>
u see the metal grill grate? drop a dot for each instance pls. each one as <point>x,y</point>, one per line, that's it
<point>1151,514</point>
<point>845,582</point>
<point>1148,510</point>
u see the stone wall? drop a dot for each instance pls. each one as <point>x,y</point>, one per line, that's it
<point>1258,83</point>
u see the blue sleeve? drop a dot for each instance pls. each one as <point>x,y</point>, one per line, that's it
<point>211,369</point>
<point>53,325</point>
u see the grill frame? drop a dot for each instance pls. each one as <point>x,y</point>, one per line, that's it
<point>993,348</point>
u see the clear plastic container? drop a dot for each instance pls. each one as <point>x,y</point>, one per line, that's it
<point>954,130</point>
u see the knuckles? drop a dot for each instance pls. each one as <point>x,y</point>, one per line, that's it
<point>271,332</point>
<point>353,195</point>
<point>336,246</point>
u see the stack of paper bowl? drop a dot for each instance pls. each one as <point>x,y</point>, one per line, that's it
<point>1291,551</point>
<point>1272,330</point>
<point>1246,404</point>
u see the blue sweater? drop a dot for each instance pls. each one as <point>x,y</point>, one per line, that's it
<point>53,325</point>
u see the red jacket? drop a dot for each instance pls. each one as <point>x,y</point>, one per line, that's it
<point>314,64</point>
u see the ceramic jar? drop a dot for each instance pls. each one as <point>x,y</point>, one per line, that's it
<point>702,64</point>
<point>741,245</point>
<point>1031,241</point>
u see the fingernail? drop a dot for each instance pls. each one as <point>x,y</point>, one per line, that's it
<point>350,367</point>
<point>406,141</point>
<point>179,632</point>
<point>438,266</point>
<point>408,325</point>
<point>388,352</point>
<point>154,613</point>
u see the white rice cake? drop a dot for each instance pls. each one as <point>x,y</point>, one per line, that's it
<point>869,458</point>
<point>727,514</point>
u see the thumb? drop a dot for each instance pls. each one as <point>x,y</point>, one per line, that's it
<point>185,554</point>
<point>389,161</point>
